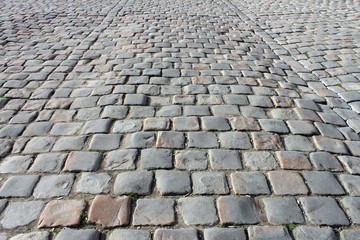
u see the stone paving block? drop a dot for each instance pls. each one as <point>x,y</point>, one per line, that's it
<point>237,210</point>
<point>172,182</point>
<point>158,212</point>
<point>39,235</point>
<point>193,210</point>
<point>209,183</point>
<point>202,140</point>
<point>110,212</point>
<point>349,234</point>
<point>307,232</point>
<point>120,160</point>
<point>92,182</point>
<point>351,184</point>
<point>139,140</point>
<point>139,182</point>
<point>225,111</point>
<point>186,124</point>
<point>325,161</point>
<point>354,147</point>
<point>191,160</point>
<point>18,186</point>
<point>234,140</point>
<point>23,117</point>
<point>12,130</point>
<point>124,234</point>
<point>260,101</point>
<point>67,129</point>
<point>156,159</point>
<point>214,124</point>
<point>69,143</point>
<point>322,183</point>
<point>287,183</point>
<point>196,111</point>
<point>37,129</point>
<point>224,233</point>
<point>332,118</point>
<point>266,141</point>
<point>176,234</point>
<point>135,99</point>
<point>224,159</point>
<point>88,114</point>
<point>127,126</point>
<point>351,164</point>
<point>329,145</point>
<point>82,161</point>
<point>170,139</point>
<point>39,145</point>
<point>54,186</point>
<point>259,160</point>
<point>273,125</point>
<point>156,124</point>
<point>302,127</point>
<point>79,234</point>
<point>282,210</point>
<point>306,114</point>
<point>15,164</point>
<point>293,160</point>
<point>328,130</point>
<point>243,123</point>
<point>352,208</point>
<point>96,126</point>
<point>268,232</point>
<point>140,112</point>
<point>19,214</point>
<point>323,211</point>
<point>298,143</point>
<point>354,124</point>
<point>284,114</point>
<point>104,142</point>
<point>349,133</point>
<point>249,183</point>
<point>61,213</point>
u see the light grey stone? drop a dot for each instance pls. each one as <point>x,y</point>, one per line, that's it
<point>193,210</point>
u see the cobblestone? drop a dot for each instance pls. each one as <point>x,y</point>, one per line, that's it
<point>251,105</point>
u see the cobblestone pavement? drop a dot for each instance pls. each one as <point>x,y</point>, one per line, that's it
<point>179,119</point>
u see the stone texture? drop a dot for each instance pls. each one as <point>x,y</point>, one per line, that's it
<point>19,214</point>
<point>110,212</point>
<point>323,211</point>
<point>124,234</point>
<point>39,235</point>
<point>293,160</point>
<point>266,141</point>
<point>287,183</point>
<point>176,234</point>
<point>173,182</point>
<point>61,213</point>
<point>54,186</point>
<point>209,183</point>
<point>18,186</point>
<point>93,182</point>
<point>268,232</point>
<point>249,183</point>
<point>120,160</point>
<point>224,159</point>
<point>237,210</point>
<point>282,210</point>
<point>134,182</point>
<point>81,234</point>
<point>224,233</point>
<point>313,233</point>
<point>158,212</point>
<point>193,210</point>
<point>82,161</point>
<point>156,159</point>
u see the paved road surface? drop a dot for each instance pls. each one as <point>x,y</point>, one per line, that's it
<point>179,119</point>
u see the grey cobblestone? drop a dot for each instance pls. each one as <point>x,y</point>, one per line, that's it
<point>185,86</point>
<point>192,210</point>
